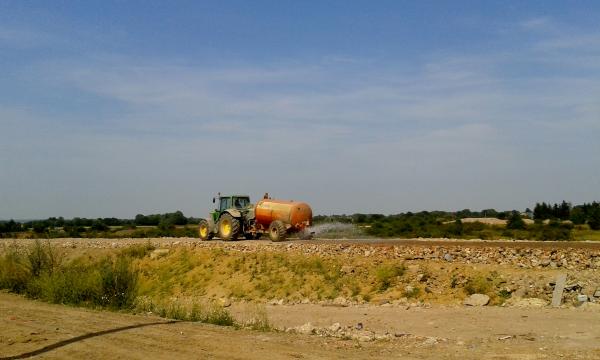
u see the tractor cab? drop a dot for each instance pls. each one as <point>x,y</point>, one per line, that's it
<point>239,202</point>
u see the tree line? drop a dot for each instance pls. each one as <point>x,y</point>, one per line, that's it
<point>551,222</point>
<point>78,225</point>
<point>579,214</point>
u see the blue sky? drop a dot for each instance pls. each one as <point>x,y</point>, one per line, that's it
<point>114,108</point>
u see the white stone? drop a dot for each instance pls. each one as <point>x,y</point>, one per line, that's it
<point>477,300</point>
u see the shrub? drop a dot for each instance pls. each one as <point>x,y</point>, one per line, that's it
<point>14,272</point>
<point>42,258</point>
<point>478,285</point>
<point>386,274</point>
<point>39,273</point>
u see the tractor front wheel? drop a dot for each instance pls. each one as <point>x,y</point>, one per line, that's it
<point>229,227</point>
<point>204,230</point>
<point>277,231</point>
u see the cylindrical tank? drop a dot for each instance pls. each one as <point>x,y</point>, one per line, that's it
<point>296,214</point>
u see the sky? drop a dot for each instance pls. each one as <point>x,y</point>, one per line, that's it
<point>114,108</point>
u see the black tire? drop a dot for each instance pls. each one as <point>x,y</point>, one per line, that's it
<point>277,231</point>
<point>229,227</point>
<point>204,230</point>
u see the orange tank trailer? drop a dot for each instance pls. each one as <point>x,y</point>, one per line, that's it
<point>296,215</point>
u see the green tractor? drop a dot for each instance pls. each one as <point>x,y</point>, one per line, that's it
<point>236,216</point>
<point>228,221</point>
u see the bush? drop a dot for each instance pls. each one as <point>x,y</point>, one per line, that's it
<point>386,275</point>
<point>478,285</point>
<point>42,258</point>
<point>14,272</point>
<point>39,273</point>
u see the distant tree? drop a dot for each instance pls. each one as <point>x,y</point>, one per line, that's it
<point>489,213</point>
<point>594,218</point>
<point>457,228</point>
<point>465,213</point>
<point>39,227</point>
<point>578,215</point>
<point>564,211</point>
<point>99,225</point>
<point>515,222</point>
<point>504,215</point>
<point>177,218</point>
<point>542,211</point>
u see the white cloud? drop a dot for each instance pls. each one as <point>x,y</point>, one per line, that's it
<point>459,131</point>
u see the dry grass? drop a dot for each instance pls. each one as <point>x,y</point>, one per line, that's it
<point>216,273</point>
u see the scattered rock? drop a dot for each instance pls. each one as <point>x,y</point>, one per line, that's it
<point>306,329</point>
<point>359,326</point>
<point>448,257</point>
<point>429,341</point>
<point>582,298</point>
<point>573,287</point>
<point>545,262</point>
<point>506,337</point>
<point>340,301</point>
<point>597,293</point>
<point>477,300</point>
<point>335,327</point>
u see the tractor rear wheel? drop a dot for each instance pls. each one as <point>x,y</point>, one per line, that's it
<point>277,231</point>
<point>204,230</point>
<point>229,227</point>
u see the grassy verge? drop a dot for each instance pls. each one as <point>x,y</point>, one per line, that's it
<point>109,282</point>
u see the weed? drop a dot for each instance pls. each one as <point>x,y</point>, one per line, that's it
<point>412,292</point>
<point>504,294</point>
<point>259,321</point>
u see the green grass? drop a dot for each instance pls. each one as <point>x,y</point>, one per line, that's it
<point>582,233</point>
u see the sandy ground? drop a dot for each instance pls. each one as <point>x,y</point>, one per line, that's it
<point>31,328</point>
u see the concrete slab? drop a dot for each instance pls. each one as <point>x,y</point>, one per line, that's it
<point>561,280</point>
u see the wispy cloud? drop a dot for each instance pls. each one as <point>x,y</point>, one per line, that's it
<point>459,130</point>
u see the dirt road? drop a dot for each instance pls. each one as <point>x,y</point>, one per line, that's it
<point>31,328</point>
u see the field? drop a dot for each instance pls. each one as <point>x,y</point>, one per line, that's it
<point>318,299</point>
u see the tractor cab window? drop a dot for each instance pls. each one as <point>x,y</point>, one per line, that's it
<point>225,203</point>
<point>241,203</point>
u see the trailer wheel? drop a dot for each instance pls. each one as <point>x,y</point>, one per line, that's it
<point>277,231</point>
<point>229,227</point>
<point>204,230</point>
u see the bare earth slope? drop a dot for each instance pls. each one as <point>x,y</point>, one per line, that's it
<point>60,332</point>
